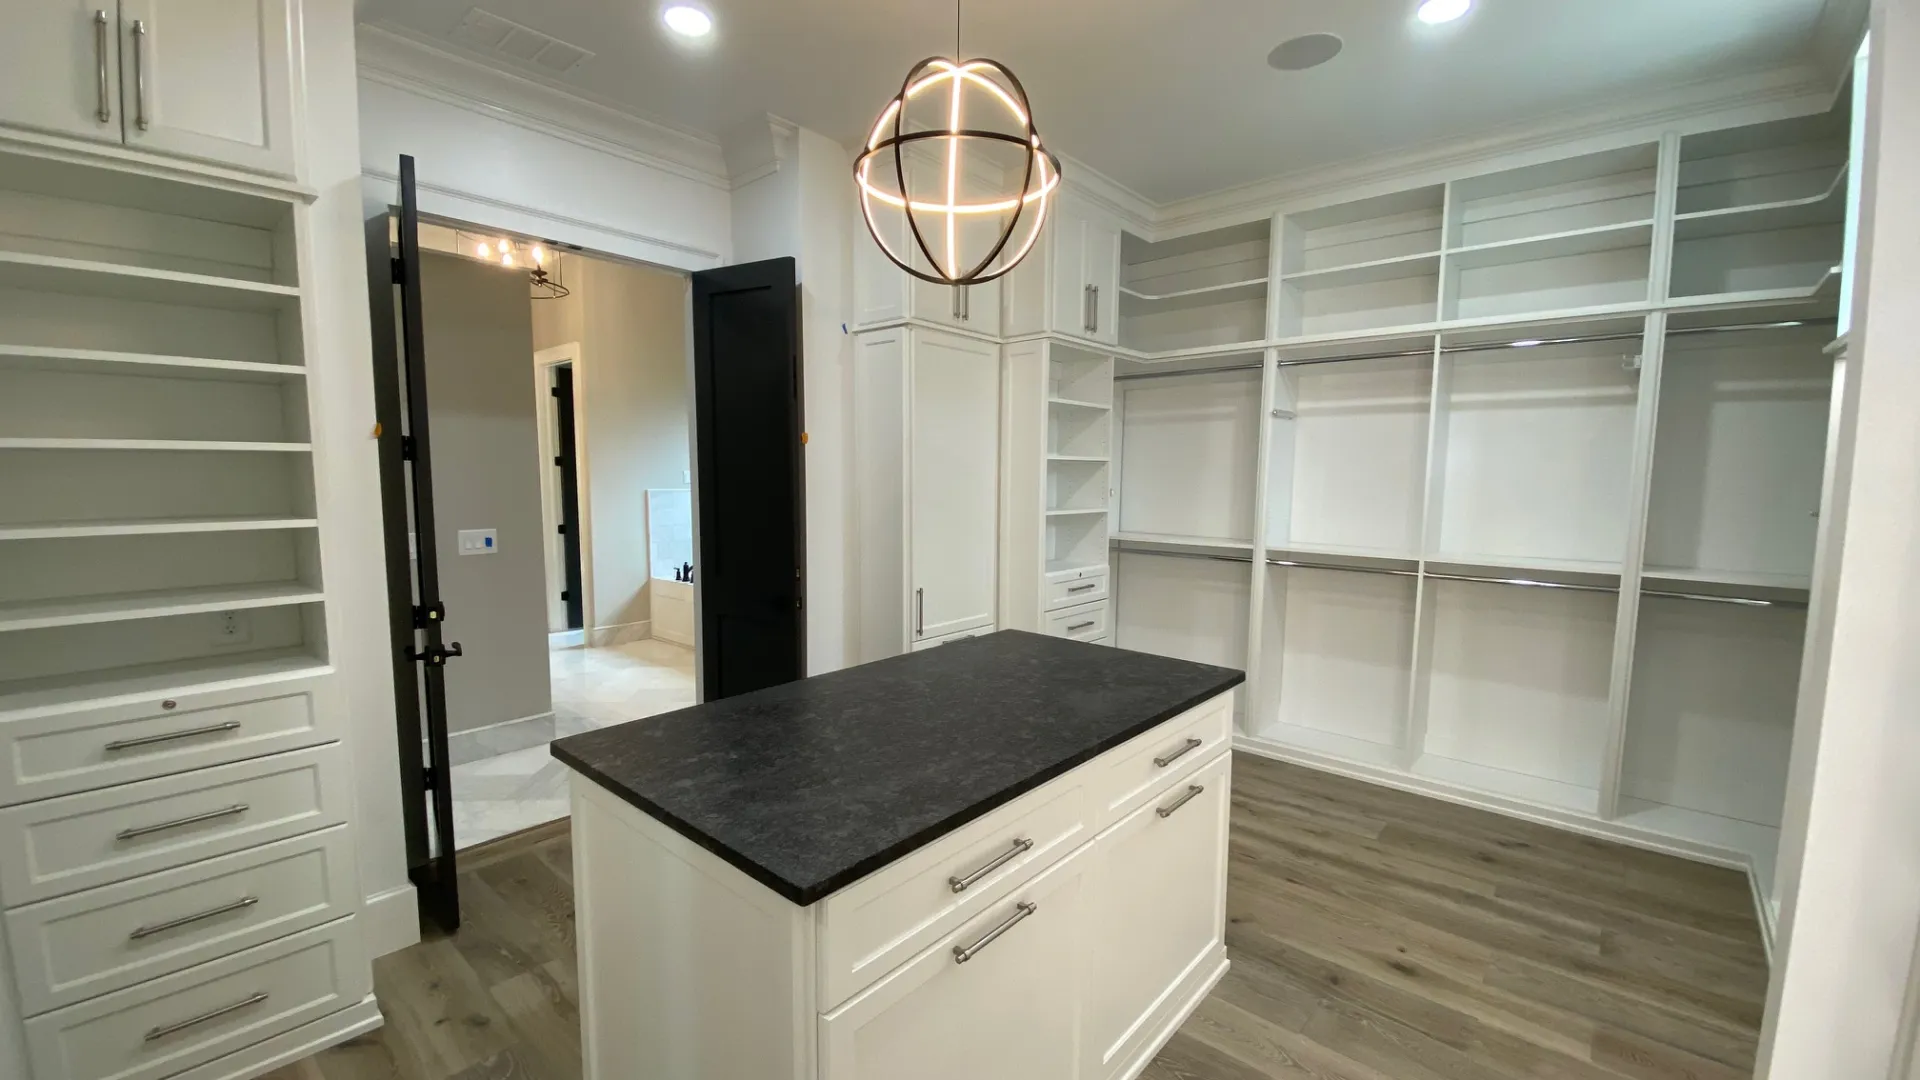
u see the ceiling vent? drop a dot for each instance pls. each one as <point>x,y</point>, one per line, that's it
<point>487,32</point>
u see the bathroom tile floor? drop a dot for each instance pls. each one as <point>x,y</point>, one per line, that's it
<point>592,688</point>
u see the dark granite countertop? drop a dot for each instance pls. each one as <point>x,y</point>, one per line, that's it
<point>811,786</point>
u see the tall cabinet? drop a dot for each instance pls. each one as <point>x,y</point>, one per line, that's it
<point>178,883</point>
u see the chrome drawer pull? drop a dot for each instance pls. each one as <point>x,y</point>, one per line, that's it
<point>188,920</point>
<point>151,740</point>
<point>1192,745</point>
<point>1192,790</point>
<point>174,1029</point>
<point>1019,848</point>
<point>211,815</point>
<point>964,953</point>
<point>1079,626</point>
<point>1088,587</point>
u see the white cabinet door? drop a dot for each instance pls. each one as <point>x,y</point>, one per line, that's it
<point>1072,306</point>
<point>1100,261</point>
<point>59,67</point>
<point>954,450</point>
<point>1006,1013</point>
<point>1157,905</point>
<point>211,79</point>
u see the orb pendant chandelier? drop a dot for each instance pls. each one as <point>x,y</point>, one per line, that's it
<point>954,182</point>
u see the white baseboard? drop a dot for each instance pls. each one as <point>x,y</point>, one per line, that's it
<point>288,1047</point>
<point>1188,995</point>
<point>391,920</point>
<point>502,738</point>
<point>566,639</point>
<point>621,633</point>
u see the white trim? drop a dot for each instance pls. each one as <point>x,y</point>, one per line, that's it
<point>505,737</point>
<point>621,633</point>
<point>397,57</point>
<point>567,639</point>
<point>391,920</point>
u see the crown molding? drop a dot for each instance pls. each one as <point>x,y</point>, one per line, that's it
<point>759,148</point>
<point>1704,105</point>
<point>1836,37</point>
<point>1134,210</point>
<point>396,57</point>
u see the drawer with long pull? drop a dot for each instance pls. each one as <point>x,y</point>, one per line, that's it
<point>1148,765</point>
<point>173,1023</point>
<point>55,752</point>
<point>871,926</point>
<point>75,947</point>
<point>1075,587</point>
<point>64,845</point>
<point>1087,623</point>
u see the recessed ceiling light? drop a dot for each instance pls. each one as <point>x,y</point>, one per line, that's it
<point>688,21</point>
<point>1307,51</point>
<point>1440,11</point>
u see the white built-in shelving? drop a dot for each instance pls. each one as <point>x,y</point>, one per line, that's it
<point>1513,501</point>
<point>157,507</point>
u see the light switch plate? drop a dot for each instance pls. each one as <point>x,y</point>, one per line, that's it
<point>479,541</point>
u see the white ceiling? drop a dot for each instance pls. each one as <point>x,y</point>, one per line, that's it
<point>1172,98</point>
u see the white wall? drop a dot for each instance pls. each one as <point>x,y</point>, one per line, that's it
<point>348,473</point>
<point>1848,934</point>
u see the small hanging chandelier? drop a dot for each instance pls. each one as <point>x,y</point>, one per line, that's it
<point>954,182</point>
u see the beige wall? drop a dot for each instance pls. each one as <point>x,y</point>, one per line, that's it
<point>632,399</point>
<point>485,476</point>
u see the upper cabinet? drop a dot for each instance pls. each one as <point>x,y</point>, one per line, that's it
<point>205,79</point>
<point>885,294</point>
<point>1070,284</point>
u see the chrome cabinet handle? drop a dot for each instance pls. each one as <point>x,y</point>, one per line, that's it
<point>1079,626</point>
<point>1086,308</point>
<point>1192,745</point>
<point>955,309</point>
<point>188,920</point>
<point>1168,810</point>
<point>964,953</point>
<point>173,736</point>
<point>173,1029</point>
<point>1088,587</point>
<point>102,112</point>
<point>962,884</point>
<point>211,815</point>
<point>1094,320</point>
<point>919,612</point>
<point>139,74</point>
<point>966,303</point>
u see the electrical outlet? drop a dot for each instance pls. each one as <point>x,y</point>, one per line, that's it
<point>232,628</point>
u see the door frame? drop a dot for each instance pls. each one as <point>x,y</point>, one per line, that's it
<point>544,361</point>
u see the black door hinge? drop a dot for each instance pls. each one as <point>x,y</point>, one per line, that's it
<point>554,390</point>
<point>436,655</point>
<point>559,461</point>
<point>406,448</point>
<point>563,528</point>
<point>428,613</point>
<point>399,270</point>
<point>564,595</point>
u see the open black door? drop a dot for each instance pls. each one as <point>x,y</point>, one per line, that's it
<point>747,447</point>
<point>415,611</point>
<point>568,463</point>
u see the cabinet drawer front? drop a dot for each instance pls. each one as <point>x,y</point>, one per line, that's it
<point>76,947</point>
<point>1079,624</point>
<point>1007,1013</point>
<point>1071,591</point>
<point>1158,884</point>
<point>875,924</point>
<point>1144,768</point>
<point>64,752</point>
<point>170,1024</point>
<point>64,845</point>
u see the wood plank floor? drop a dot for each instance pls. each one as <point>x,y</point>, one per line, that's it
<point>1374,936</point>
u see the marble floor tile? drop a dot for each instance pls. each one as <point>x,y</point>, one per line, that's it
<point>592,688</point>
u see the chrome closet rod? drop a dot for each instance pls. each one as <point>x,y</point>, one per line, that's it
<point>1483,346</point>
<point>1529,583</point>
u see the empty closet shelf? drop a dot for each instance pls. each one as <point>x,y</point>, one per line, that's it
<point>1635,234</point>
<point>1174,540</point>
<point>202,445</point>
<point>84,277</point>
<point>52,530</point>
<point>1517,787</point>
<point>1514,566</point>
<point>159,365</point>
<point>1750,579</point>
<point>1344,556</point>
<point>1142,303</point>
<point>1374,272</point>
<point>174,677</point>
<point>1097,511</point>
<point>1827,208</point>
<point>127,607</point>
<point>1072,403</point>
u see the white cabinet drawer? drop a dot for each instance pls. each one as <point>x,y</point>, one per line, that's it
<point>1079,624</point>
<point>75,947</point>
<point>64,845</point>
<point>922,646</point>
<point>174,1023</point>
<point>875,924</point>
<point>59,752</point>
<point>1008,1012</point>
<point>1084,587</point>
<point>1142,769</point>
<point>1158,882</point>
